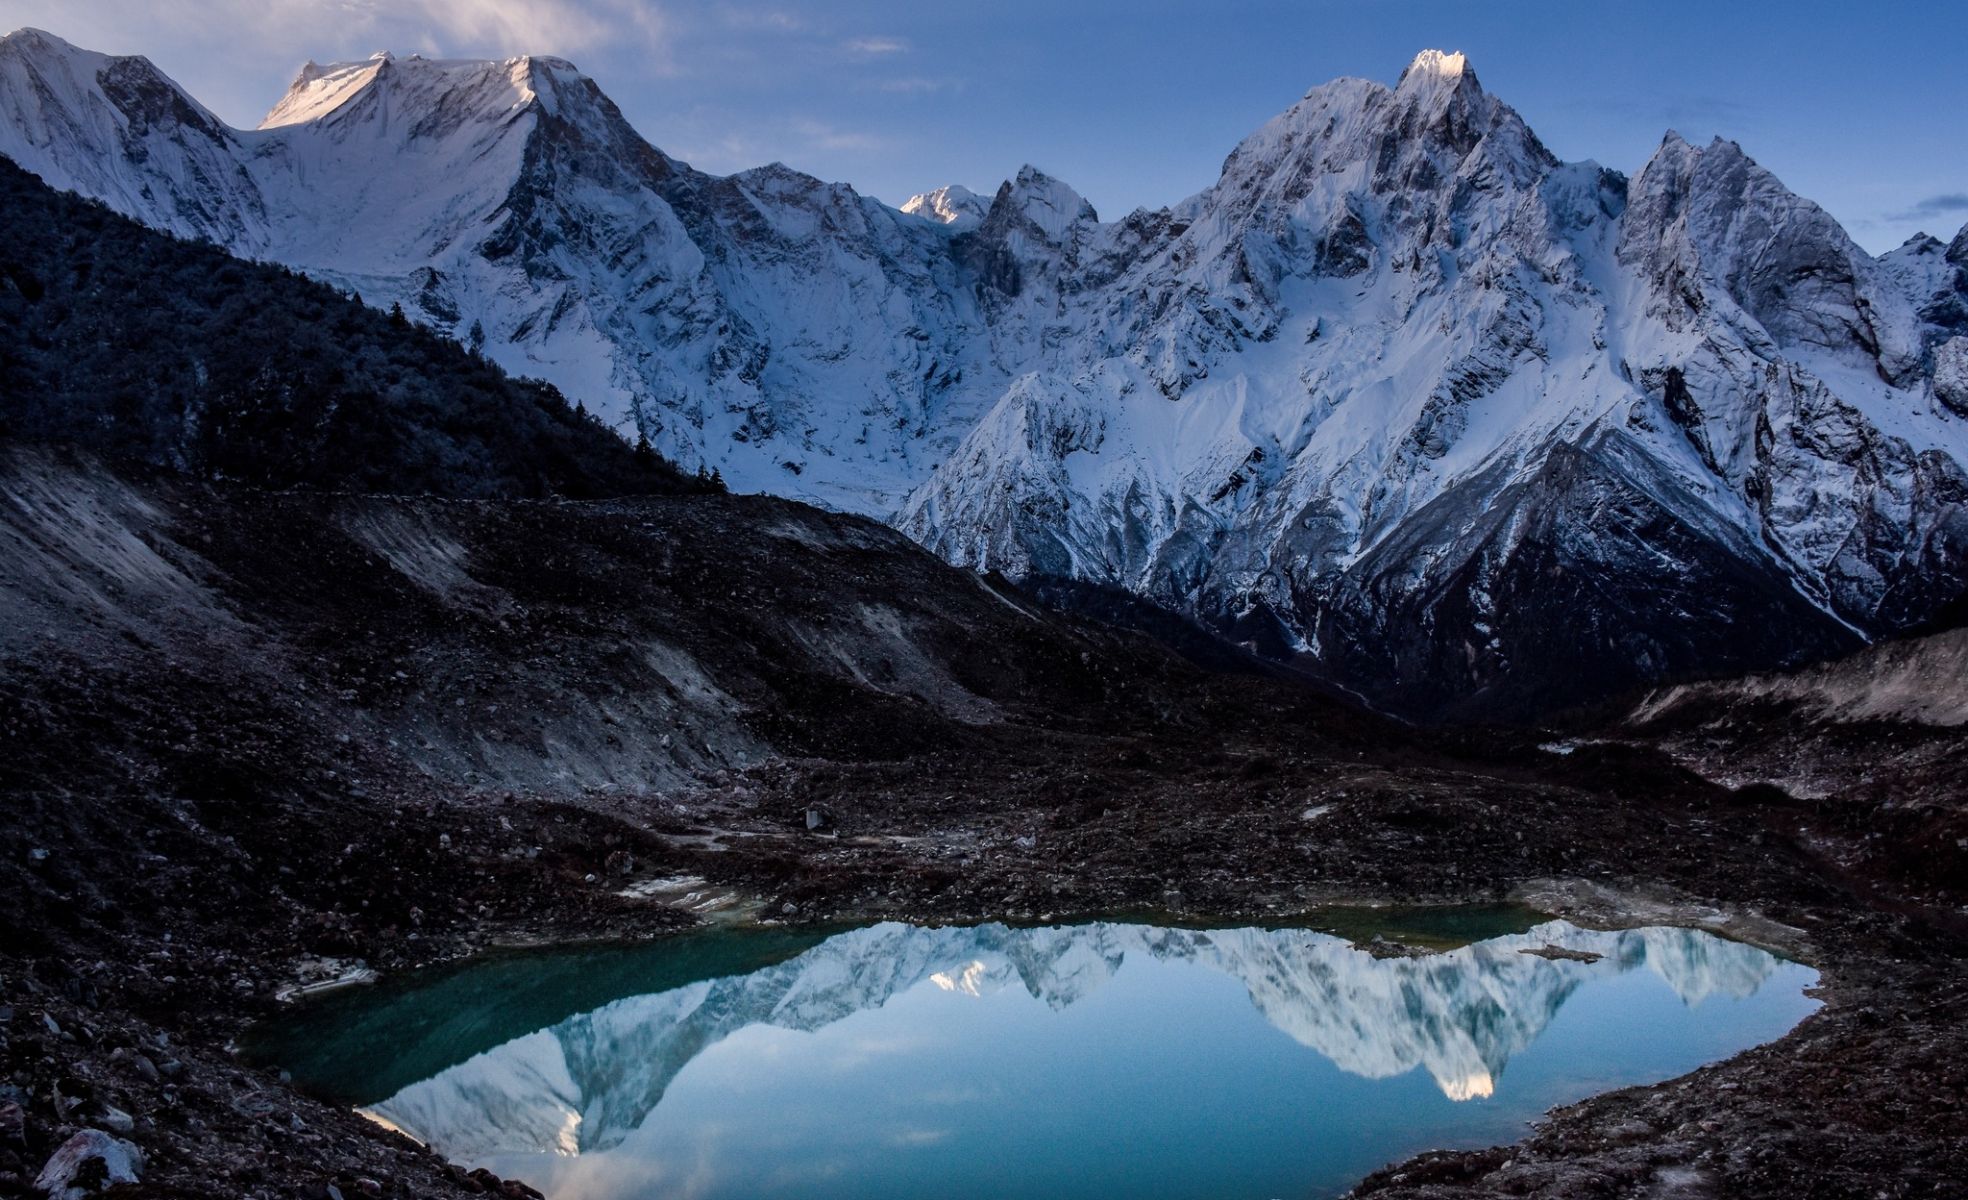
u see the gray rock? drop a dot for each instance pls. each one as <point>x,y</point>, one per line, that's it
<point>62,1178</point>
<point>117,1120</point>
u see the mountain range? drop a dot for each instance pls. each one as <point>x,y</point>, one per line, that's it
<point>1401,397</point>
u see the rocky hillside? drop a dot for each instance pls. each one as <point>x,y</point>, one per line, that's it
<point>1872,741</point>
<point>1465,428</point>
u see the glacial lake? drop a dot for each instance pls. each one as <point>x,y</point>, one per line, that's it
<point>1097,1060</point>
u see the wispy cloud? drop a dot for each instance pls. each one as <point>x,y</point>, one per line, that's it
<point>875,47</point>
<point>1947,204</point>
<point>823,136</point>
<point>1707,113</point>
<point>770,20</point>
<point>285,26</point>
<point>913,85</point>
<point>516,26</point>
<point>722,140</point>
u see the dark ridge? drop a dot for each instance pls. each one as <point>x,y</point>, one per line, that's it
<point>138,345</point>
<point>1122,609</point>
<point>1952,615</point>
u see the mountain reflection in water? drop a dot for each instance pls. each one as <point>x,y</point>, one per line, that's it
<point>1124,1058</point>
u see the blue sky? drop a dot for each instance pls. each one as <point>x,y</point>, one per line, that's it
<point>1858,106</point>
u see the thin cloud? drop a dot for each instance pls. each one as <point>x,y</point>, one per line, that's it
<point>823,136</point>
<point>914,85</point>
<point>768,20</point>
<point>1945,205</point>
<point>287,26</point>
<point>876,47</point>
<point>1716,113</point>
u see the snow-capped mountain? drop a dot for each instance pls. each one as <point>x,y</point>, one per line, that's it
<point>953,204</point>
<point>584,1084</point>
<point>1401,393</point>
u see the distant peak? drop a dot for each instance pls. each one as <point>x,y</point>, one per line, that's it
<point>1044,201</point>
<point>28,33</point>
<point>1439,63</point>
<point>953,204</point>
<point>29,40</point>
<point>321,91</point>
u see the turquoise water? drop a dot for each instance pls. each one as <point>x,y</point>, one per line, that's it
<point>1095,1060</point>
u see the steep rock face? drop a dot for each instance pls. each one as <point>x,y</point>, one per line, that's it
<point>1317,405</point>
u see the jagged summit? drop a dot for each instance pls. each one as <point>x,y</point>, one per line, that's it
<point>1439,64</point>
<point>953,205</point>
<point>1047,203</point>
<point>490,87</point>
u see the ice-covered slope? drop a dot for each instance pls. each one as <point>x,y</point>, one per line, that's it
<point>118,130</point>
<point>1477,430</point>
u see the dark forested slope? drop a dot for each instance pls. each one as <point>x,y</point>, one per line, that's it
<point>140,345</point>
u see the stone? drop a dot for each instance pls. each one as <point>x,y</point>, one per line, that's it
<point>72,1172</point>
<point>1561,953</point>
<point>116,1119</point>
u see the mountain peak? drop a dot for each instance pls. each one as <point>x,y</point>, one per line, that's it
<point>953,204</point>
<point>38,45</point>
<point>1044,201</point>
<point>29,35</point>
<point>1438,64</point>
<point>456,85</point>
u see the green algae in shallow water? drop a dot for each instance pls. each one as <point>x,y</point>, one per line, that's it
<point>1104,1059</point>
